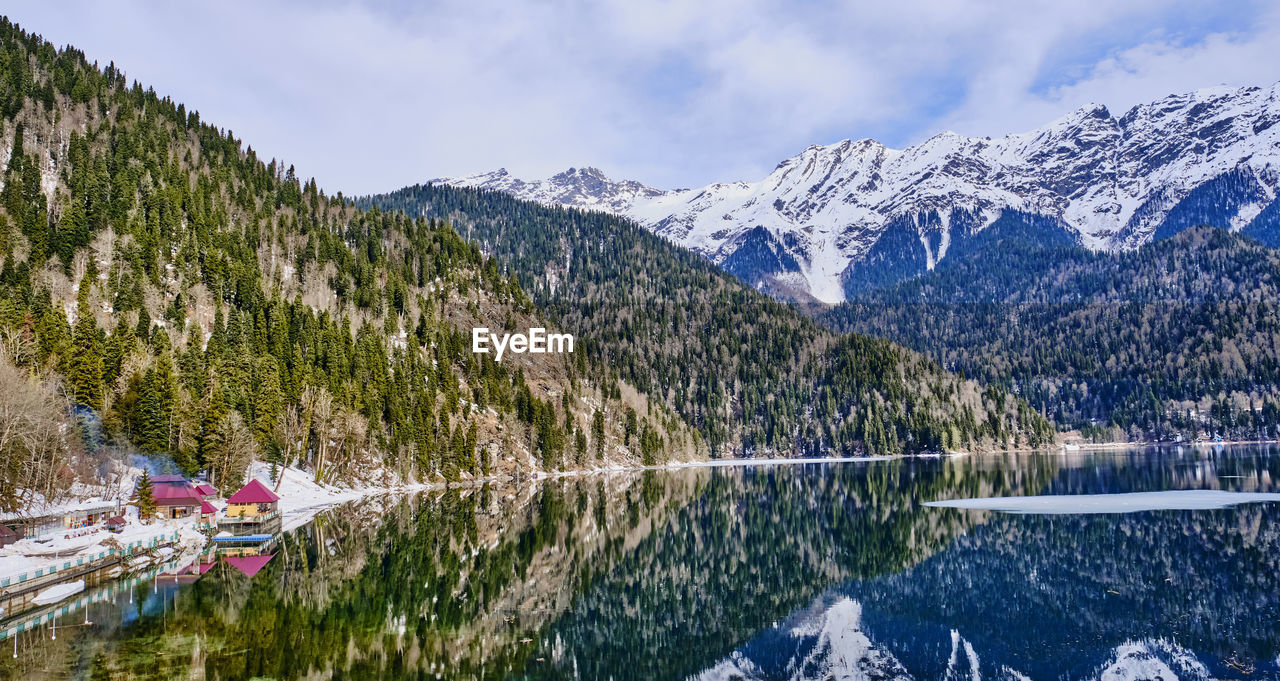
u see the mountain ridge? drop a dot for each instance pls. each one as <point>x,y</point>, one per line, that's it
<point>1112,181</point>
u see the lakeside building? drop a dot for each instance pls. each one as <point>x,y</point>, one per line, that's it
<point>208,514</point>
<point>176,500</point>
<point>252,510</point>
<point>77,518</point>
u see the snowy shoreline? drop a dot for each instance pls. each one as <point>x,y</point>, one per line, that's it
<point>302,499</point>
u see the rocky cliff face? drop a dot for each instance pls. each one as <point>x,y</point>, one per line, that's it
<point>832,219</point>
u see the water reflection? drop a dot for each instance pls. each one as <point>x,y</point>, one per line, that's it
<point>813,571</point>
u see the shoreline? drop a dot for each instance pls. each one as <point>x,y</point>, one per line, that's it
<point>303,499</point>
<point>1199,444</point>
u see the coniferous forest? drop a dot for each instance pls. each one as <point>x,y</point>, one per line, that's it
<point>1177,339</point>
<point>165,290</point>
<point>750,373</point>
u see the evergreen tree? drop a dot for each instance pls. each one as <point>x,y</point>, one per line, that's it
<point>597,432</point>
<point>144,498</point>
<point>86,363</point>
<point>267,402</point>
<point>155,407</point>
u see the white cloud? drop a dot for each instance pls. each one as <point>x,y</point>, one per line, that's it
<point>1003,100</point>
<point>369,98</point>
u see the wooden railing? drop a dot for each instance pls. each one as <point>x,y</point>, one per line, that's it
<point>249,519</point>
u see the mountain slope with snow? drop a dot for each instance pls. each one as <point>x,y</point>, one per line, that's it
<point>813,225</point>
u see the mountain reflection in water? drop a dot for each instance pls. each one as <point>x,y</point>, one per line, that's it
<point>787,572</point>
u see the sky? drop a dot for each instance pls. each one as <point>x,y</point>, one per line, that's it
<point>370,97</point>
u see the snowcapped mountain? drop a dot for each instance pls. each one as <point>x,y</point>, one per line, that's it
<point>839,217</point>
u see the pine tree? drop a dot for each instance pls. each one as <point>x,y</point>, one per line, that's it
<point>144,498</point>
<point>155,407</point>
<point>267,401</point>
<point>86,363</point>
<point>215,408</point>
<point>597,432</point>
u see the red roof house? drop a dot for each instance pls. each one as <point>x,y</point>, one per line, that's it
<point>206,491</point>
<point>208,512</point>
<point>251,510</point>
<point>254,493</point>
<point>176,501</point>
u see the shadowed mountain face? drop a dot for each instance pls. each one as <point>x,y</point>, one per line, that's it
<point>1173,339</point>
<point>835,216</point>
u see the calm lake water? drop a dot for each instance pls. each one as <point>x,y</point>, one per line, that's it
<point>785,572</point>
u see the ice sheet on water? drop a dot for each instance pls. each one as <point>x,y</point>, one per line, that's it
<point>1129,502</point>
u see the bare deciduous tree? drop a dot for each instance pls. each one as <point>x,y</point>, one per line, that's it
<point>291,429</point>
<point>322,422</point>
<point>235,450</point>
<point>37,439</point>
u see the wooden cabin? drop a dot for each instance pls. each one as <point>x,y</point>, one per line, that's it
<point>254,510</point>
<point>208,514</point>
<point>206,491</point>
<point>176,501</point>
<point>78,520</point>
<point>90,515</point>
<point>253,500</point>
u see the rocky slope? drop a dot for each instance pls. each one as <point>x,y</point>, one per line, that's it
<point>828,219</point>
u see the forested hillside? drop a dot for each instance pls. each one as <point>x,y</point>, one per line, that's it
<point>170,292</point>
<point>1178,338</point>
<point>752,375</point>
<point>165,290</point>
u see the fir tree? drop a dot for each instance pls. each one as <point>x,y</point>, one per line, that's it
<point>86,363</point>
<point>155,407</point>
<point>267,401</point>
<point>144,498</point>
<point>597,432</point>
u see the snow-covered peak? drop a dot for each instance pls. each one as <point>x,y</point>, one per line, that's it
<point>584,187</point>
<point>806,228</point>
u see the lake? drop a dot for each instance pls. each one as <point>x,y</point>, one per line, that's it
<point>835,570</point>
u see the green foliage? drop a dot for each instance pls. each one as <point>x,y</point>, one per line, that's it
<point>749,374</point>
<point>187,216</point>
<point>1175,338</point>
<point>86,369</point>
<point>144,498</point>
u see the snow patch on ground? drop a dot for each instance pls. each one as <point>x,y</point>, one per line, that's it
<point>718,463</point>
<point>301,497</point>
<point>1131,502</point>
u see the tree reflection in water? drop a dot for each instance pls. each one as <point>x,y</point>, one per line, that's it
<point>666,574</point>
